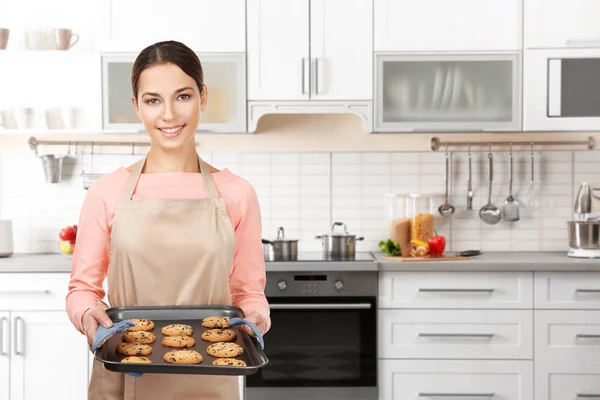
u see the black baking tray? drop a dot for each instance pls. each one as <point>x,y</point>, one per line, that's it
<point>254,355</point>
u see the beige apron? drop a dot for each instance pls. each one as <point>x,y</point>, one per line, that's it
<point>168,252</point>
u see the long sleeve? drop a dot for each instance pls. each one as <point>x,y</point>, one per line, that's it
<point>90,259</point>
<point>248,276</point>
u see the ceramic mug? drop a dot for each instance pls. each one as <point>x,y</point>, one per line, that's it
<point>64,38</point>
<point>4,35</point>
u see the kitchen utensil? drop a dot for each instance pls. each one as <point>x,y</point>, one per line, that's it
<point>510,205</point>
<point>340,245</point>
<point>489,213</point>
<point>470,253</point>
<point>52,165</point>
<point>531,162</point>
<point>64,38</point>
<point>6,238</point>
<point>584,235</point>
<point>446,209</point>
<point>470,184</point>
<point>254,355</point>
<point>280,249</point>
<point>4,36</point>
<point>583,199</point>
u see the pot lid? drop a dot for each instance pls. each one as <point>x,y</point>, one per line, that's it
<point>338,234</point>
<point>281,236</point>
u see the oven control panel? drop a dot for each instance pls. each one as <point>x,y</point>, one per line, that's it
<point>355,283</point>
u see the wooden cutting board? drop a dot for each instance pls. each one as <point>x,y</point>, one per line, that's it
<point>445,257</point>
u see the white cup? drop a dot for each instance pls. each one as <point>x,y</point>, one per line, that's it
<point>6,238</point>
<point>7,119</point>
<point>28,117</point>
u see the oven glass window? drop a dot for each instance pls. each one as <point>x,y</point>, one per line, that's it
<point>320,347</point>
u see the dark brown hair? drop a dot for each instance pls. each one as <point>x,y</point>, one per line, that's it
<point>169,52</point>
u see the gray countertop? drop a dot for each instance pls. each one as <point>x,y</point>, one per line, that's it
<point>492,261</point>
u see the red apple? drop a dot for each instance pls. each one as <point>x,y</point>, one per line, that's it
<point>67,234</point>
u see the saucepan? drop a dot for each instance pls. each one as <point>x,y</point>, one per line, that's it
<point>339,245</point>
<point>280,249</point>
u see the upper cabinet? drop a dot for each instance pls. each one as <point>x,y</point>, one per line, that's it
<point>562,23</point>
<point>441,25</point>
<point>204,26</point>
<point>310,50</point>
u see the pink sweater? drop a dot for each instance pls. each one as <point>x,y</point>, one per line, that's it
<point>91,258</point>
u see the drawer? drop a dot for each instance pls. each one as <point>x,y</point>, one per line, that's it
<point>567,335</point>
<point>33,291</point>
<point>484,290</point>
<point>567,290</point>
<point>466,334</point>
<point>445,379</point>
<point>568,381</point>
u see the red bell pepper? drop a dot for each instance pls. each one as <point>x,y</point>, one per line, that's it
<point>437,244</point>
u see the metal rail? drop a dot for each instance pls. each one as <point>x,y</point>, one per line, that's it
<point>436,143</point>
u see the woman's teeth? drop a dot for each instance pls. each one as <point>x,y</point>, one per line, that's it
<point>171,132</point>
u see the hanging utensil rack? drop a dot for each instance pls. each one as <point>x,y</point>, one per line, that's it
<point>436,143</point>
<point>34,143</point>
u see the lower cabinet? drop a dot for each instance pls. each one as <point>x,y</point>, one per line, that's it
<point>455,379</point>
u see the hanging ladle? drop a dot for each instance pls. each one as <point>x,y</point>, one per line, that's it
<point>446,209</point>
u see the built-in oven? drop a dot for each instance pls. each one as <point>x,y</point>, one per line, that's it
<point>323,339</point>
<point>562,89</point>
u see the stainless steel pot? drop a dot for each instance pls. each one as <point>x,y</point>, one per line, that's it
<point>584,235</point>
<point>280,249</point>
<point>339,245</point>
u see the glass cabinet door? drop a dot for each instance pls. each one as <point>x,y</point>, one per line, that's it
<point>448,93</point>
<point>224,77</point>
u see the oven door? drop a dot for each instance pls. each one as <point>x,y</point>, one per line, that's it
<point>319,348</point>
<point>562,89</point>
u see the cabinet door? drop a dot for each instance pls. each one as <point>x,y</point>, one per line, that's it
<point>341,49</point>
<point>4,355</point>
<point>567,290</point>
<point>48,356</point>
<point>562,23</point>
<point>567,379</point>
<point>207,25</point>
<point>440,25</point>
<point>278,50</point>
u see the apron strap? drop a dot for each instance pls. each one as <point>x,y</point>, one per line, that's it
<point>209,182</point>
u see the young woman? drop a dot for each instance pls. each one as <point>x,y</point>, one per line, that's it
<point>168,230</point>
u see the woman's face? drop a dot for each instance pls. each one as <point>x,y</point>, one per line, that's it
<point>169,104</point>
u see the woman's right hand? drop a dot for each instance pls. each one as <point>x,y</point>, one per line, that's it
<point>92,318</point>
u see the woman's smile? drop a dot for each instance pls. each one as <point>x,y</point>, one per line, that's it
<point>171,132</point>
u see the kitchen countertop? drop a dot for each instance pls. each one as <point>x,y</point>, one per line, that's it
<point>492,261</point>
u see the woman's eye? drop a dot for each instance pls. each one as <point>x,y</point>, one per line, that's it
<point>184,96</point>
<point>152,101</point>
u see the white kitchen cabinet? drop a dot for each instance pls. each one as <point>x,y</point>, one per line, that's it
<point>454,379</point>
<point>448,334</point>
<point>567,290</point>
<point>440,25</point>
<point>204,26</point>
<point>561,23</point>
<point>568,379</point>
<point>309,50</point>
<point>4,355</point>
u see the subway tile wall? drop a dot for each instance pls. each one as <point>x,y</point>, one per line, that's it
<point>306,192</point>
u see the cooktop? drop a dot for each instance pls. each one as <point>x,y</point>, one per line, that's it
<point>318,256</point>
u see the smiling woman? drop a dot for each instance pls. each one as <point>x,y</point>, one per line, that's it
<point>168,230</point>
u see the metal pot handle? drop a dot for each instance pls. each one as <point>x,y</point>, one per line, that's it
<point>339,224</point>
<point>265,241</point>
<point>280,233</point>
<point>318,237</point>
<point>360,238</point>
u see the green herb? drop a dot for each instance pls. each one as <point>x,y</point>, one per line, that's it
<point>390,248</point>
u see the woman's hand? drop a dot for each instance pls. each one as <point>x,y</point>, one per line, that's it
<point>258,320</point>
<point>92,318</point>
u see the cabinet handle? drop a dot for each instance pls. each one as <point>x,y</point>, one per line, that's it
<point>19,336</point>
<point>454,290</point>
<point>583,42</point>
<point>26,292</point>
<point>316,75</point>
<point>5,338</point>
<point>585,336</point>
<point>466,335</point>
<point>587,396</point>
<point>469,395</point>
<point>596,291</point>
<point>302,80</point>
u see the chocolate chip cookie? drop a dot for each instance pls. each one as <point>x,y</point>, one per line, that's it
<point>218,335</point>
<point>134,349</point>
<point>216,322</point>
<point>183,357</point>
<point>177,330</point>
<point>178,341</point>
<point>230,361</point>
<point>141,325</point>
<point>227,350</point>
<point>139,337</point>
<point>136,360</point>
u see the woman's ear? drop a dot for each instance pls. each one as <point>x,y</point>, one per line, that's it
<point>203,97</point>
<point>135,107</point>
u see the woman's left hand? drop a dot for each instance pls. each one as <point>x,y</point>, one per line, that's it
<point>258,320</point>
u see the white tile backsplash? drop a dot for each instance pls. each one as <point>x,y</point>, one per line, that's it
<point>306,192</point>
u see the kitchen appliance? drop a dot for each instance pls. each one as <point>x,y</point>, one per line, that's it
<point>340,245</point>
<point>323,338</point>
<point>280,249</point>
<point>6,238</point>
<point>584,229</point>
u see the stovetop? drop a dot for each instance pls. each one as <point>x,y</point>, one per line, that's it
<point>317,256</point>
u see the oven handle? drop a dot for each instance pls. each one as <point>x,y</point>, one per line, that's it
<point>321,306</point>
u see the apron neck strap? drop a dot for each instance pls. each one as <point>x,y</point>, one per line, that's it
<point>136,172</point>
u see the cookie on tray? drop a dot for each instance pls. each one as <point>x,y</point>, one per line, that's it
<point>136,360</point>
<point>230,362</point>
<point>216,322</point>
<point>183,357</point>
<point>141,325</point>
<point>177,330</point>
<point>134,349</point>
<point>142,337</point>
<point>218,335</point>
<point>178,341</point>
<point>225,349</point>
